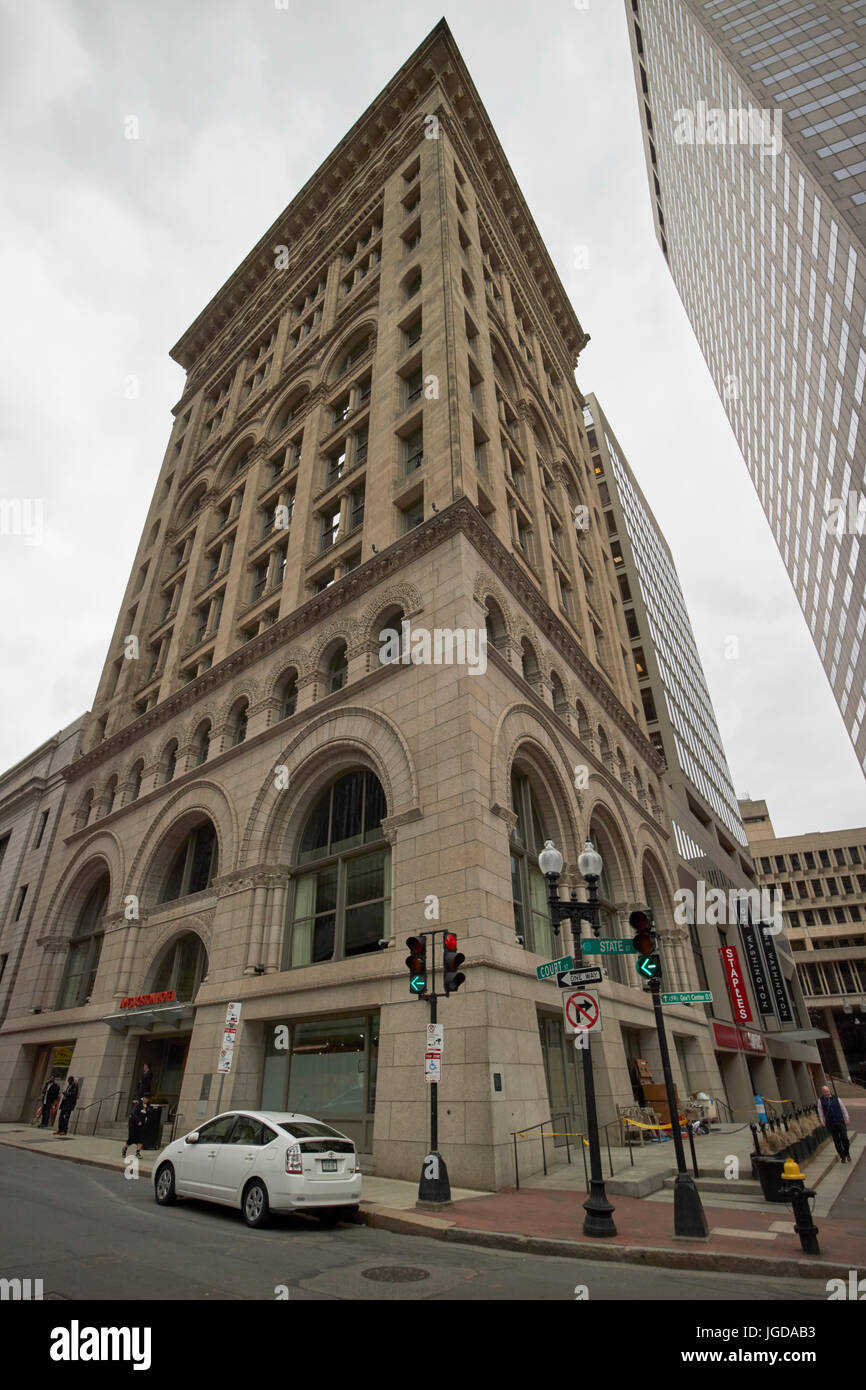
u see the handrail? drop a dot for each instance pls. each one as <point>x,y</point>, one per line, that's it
<point>80,1110</point>
<point>846,1080</point>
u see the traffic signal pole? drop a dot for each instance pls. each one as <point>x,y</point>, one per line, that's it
<point>690,1220</point>
<point>434,1187</point>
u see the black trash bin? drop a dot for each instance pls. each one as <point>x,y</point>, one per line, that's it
<point>769,1174</point>
<point>151,1136</point>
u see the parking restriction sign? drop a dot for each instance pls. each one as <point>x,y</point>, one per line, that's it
<point>582,1011</point>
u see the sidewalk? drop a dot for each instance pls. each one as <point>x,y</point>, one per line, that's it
<point>541,1219</point>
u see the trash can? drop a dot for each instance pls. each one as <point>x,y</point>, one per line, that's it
<point>769,1174</point>
<point>151,1137</point>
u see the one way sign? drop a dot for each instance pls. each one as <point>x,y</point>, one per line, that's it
<point>569,979</point>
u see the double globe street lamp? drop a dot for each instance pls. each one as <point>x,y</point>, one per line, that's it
<point>599,1211</point>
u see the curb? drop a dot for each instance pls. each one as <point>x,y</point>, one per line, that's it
<point>69,1156</point>
<point>718,1262</point>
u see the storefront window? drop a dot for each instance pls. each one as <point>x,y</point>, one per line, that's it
<point>327,1070</point>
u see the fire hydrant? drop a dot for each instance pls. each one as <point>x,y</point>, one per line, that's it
<point>796,1192</point>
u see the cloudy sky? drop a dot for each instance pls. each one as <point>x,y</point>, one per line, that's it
<point>112,246</point>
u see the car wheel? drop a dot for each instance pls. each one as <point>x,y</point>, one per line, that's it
<point>255,1204</point>
<point>165,1193</point>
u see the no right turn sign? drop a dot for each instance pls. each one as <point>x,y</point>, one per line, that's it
<point>581,1010</point>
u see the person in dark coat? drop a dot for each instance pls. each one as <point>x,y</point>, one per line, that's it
<point>145,1085</point>
<point>67,1105</point>
<point>835,1117</point>
<point>137,1121</point>
<point>50,1093</point>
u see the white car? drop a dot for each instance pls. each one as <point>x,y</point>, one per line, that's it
<point>263,1161</point>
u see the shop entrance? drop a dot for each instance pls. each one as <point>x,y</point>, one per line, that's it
<point>166,1058</point>
<point>50,1057</point>
<point>564,1082</point>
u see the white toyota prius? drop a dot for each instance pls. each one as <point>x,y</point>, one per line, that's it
<point>263,1161</point>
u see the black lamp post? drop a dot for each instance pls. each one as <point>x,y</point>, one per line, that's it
<point>599,1211</point>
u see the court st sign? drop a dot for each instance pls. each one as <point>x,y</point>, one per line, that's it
<point>552,967</point>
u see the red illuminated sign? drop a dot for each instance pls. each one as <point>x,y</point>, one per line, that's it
<point>736,984</point>
<point>136,1000</point>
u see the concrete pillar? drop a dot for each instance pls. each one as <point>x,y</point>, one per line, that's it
<point>835,1043</point>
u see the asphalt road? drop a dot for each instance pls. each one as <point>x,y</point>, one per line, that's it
<point>91,1234</point>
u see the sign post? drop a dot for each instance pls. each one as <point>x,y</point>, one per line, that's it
<point>230,1033</point>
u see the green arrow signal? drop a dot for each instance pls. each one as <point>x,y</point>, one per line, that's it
<point>418,983</point>
<point>647,966</point>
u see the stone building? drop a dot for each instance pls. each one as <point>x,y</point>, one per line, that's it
<point>380,426</point>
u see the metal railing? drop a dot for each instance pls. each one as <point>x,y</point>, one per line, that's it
<point>522,1134</point>
<point>79,1111</point>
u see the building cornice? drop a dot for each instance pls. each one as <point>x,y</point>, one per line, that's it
<point>461,517</point>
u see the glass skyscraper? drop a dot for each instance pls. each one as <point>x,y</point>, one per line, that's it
<point>755,142</point>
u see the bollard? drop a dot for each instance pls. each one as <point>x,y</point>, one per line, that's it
<point>796,1192</point>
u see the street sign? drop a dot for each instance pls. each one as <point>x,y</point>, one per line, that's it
<point>582,1011</point>
<point>569,979</point>
<point>547,971</point>
<point>435,1035</point>
<point>698,996</point>
<point>433,1067</point>
<point>606,946</point>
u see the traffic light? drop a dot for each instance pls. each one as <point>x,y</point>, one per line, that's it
<point>416,962</point>
<point>451,962</point>
<point>646,945</point>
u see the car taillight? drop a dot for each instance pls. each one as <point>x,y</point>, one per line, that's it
<point>293,1159</point>
<point>357,1164</point>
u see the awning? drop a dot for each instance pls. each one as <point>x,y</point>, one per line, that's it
<point>146,1018</point>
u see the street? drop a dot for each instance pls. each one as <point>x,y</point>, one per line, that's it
<point>90,1234</point>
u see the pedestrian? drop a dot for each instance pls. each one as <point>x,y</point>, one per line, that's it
<point>67,1105</point>
<point>835,1117</point>
<point>50,1093</point>
<point>145,1085</point>
<point>135,1130</point>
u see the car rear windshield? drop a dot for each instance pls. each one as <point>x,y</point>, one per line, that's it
<point>308,1130</point>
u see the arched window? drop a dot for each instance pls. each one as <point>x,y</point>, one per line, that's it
<point>343,906</point>
<point>201,743</point>
<point>85,809</point>
<point>389,635</point>
<point>109,796</point>
<point>528,884</point>
<point>621,768</point>
<point>237,725</point>
<point>495,624</point>
<point>611,895</point>
<point>194,864</point>
<point>560,704</point>
<point>85,946</point>
<point>604,749</point>
<point>168,762</point>
<point>287,694</point>
<point>639,787</point>
<point>291,411</point>
<point>338,669</point>
<point>584,732</point>
<point>528,661</point>
<point>133,786</point>
<point>182,968</point>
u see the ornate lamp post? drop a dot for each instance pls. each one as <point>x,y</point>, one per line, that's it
<point>599,1211</point>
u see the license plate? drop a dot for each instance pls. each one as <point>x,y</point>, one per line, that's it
<point>329,1165</point>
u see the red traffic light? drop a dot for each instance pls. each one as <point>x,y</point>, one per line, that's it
<point>450,941</point>
<point>452,959</point>
<point>644,940</point>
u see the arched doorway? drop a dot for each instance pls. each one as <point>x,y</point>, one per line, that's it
<point>174,982</point>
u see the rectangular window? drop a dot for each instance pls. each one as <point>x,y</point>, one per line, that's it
<point>414,450</point>
<point>43,821</point>
<point>22,894</point>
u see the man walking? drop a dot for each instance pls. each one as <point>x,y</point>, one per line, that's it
<point>835,1117</point>
<point>50,1092</point>
<point>67,1105</point>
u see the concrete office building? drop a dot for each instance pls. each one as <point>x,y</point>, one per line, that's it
<point>379,427</point>
<point>822,879</point>
<point>754,123</point>
<point>32,794</point>
<point>767,1052</point>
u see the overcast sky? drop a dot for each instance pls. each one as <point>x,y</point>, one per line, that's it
<point>112,246</point>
